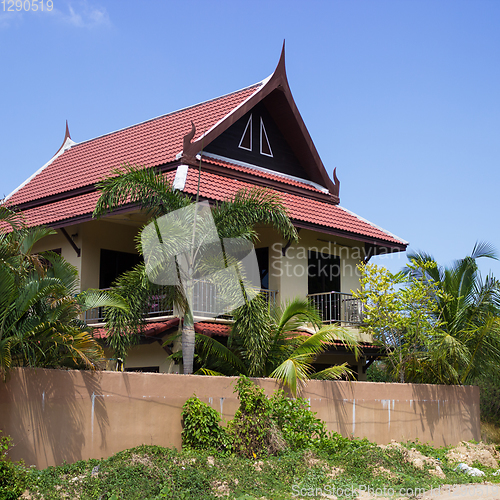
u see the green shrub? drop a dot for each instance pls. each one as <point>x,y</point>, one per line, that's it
<point>299,425</point>
<point>201,427</point>
<point>377,372</point>
<point>261,426</point>
<point>253,430</point>
<point>12,477</point>
<point>334,444</point>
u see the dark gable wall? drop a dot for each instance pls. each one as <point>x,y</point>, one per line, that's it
<point>283,160</point>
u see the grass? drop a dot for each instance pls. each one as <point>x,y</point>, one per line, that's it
<point>152,472</point>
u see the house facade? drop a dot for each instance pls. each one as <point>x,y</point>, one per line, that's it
<point>251,137</point>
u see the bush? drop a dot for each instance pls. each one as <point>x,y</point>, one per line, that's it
<point>299,425</point>
<point>201,427</point>
<point>261,426</point>
<point>12,477</point>
<point>253,430</point>
<point>377,372</point>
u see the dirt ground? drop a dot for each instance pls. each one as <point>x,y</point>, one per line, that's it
<point>476,491</point>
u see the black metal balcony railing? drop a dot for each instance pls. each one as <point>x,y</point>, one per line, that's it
<point>205,304</point>
<point>337,307</point>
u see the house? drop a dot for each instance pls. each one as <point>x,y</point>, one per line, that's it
<point>251,137</point>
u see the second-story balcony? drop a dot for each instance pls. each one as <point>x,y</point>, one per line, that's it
<point>337,307</point>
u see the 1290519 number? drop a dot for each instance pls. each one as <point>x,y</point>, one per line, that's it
<point>26,5</point>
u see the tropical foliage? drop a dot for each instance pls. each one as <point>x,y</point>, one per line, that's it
<point>262,426</point>
<point>469,307</point>
<point>439,324</point>
<point>401,313</point>
<point>152,192</point>
<point>272,342</point>
<point>40,311</point>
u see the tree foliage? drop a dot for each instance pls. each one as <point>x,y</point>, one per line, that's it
<point>40,309</point>
<point>152,192</point>
<point>438,324</point>
<point>401,313</point>
<point>267,341</point>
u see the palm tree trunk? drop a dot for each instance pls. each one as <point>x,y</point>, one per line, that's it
<point>188,334</point>
<point>188,338</point>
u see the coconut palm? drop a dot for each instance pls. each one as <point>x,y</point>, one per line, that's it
<point>234,218</point>
<point>40,310</point>
<point>280,342</point>
<point>468,342</point>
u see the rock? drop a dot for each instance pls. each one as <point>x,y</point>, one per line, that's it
<point>438,472</point>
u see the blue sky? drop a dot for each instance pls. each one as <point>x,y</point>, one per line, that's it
<point>403,97</point>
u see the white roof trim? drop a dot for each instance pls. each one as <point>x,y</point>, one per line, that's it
<point>180,177</point>
<point>375,226</point>
<point>68,143</point>
<point>266,170</point>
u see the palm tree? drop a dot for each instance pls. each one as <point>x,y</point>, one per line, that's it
<point>468,341</point>
<point>40,310</point>
<point>233,218</point>
<point>274,342</point>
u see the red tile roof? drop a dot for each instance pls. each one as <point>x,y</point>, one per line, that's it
<point>62,210</point>
<point>151,143</point>
<point>150,330</point>
<point>217,187</point>
<point>210,329</point>
<point>258,172</point>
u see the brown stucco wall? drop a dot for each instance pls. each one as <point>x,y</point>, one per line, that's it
<point>55,416</point>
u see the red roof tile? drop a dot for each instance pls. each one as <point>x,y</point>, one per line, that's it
<point>260,173</point>
<point>205,328</point>
<point>61,210</point>
<point>150,329</point>
<point>151,143</point>
<point>220,188</point>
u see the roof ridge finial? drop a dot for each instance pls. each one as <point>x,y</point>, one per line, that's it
<point>280,71</point>
<point>67,134</point>
<point>281,62</point>
<point>66,137</point>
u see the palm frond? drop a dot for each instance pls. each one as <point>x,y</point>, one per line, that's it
<point>292,373</point>
<point>209,347</point>
<point>333,373</point>
<point>143,186</point>
<point>484,249</point>
<point>238,215</point>
<point>295,313</point>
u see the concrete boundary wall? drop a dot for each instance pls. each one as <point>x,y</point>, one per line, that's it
<point>57,415</point>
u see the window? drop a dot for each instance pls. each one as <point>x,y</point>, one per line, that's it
<point>265,147</point>
<point>263,261</point>
<point>246,138</point>
<point>113,264</point>
<point>323,272</point>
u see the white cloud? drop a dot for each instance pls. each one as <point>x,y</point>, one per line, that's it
<point>8,19</point>
<point>83,15</point>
